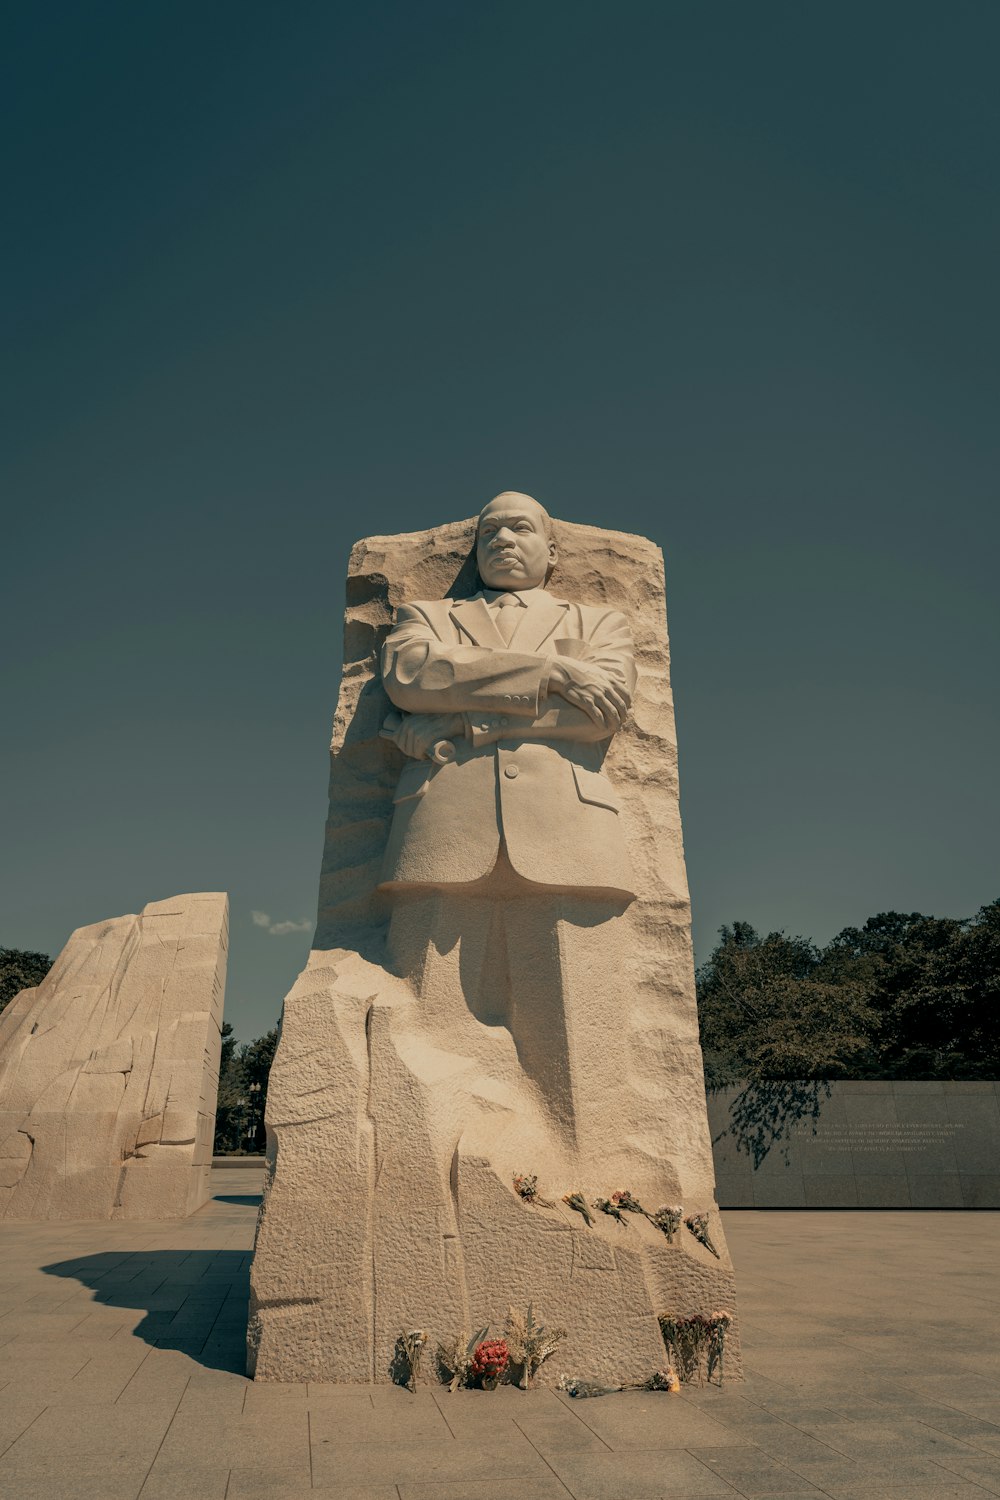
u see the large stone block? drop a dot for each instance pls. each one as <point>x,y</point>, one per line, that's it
<point>109,1070</point>
<point>441,1040</point>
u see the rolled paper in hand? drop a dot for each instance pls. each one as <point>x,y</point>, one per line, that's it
<point>442,751</point>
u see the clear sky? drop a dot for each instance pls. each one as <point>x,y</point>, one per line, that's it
<point>279,276</point>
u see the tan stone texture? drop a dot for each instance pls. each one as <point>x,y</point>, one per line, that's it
<point>405,1094</point>
<point>109,1069</point>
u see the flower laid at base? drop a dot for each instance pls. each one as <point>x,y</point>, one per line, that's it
<point>660,1380</point>
<point>530,1343</point>
<point>489,1363</point>
<point>406,1357</point>
<point>697,1343</point>
<point>454,1360</point>
<point>479,1362</point>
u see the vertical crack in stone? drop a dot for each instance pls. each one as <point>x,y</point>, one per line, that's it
<point>371,1130</point>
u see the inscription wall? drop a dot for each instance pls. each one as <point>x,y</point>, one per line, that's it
<point>857,1145</point>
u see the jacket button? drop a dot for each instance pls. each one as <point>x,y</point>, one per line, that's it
<point>510,771</point>
<point>504,720</point>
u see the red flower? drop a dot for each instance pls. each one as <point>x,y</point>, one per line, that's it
<point>489,1359</point>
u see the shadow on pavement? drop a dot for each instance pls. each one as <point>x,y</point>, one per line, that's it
<point>193,1300</point>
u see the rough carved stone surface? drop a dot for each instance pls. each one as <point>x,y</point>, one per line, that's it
<point>397,1117</point>
<point>109,1070</point>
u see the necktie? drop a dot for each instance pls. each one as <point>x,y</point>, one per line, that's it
<point>507,614</point>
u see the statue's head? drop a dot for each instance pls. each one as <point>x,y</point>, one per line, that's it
<point>515,548</point>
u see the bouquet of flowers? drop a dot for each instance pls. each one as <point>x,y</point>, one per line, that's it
<point>578,1203</point>
<point>660,1380</point>
<point>574,1386</point>
<point>721,1322</point>
<point>698,1225</point>
<point>697,1343</point>
<point>668,1218</point>
<point>455,1359</point>
<point>526,1188</point>
<point>489,1363</point>
<point>529,1343</point>
<point>631,1205</point>
<point>406,1358</point>
<point>612,1209</point>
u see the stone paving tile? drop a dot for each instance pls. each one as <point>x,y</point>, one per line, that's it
<point>169,1481</point>
<point>357,1424</point>
<point>239,1442</point>
<point>947,1489</point>
<point>321,1393</point>
<point>883,1440</point>
<point>552,1437</point>
<point>753,1473</point>
<point>978,1469</point>
<point>640,1475</point>
<point>50,1477</point>
<point>17,1412</point>
<point>75,1434</point>
<point>490,1463</point>
<point>463,1489</point>
<point>651,1421</point>
<point>846,1476</point>
<point>261,1488</point>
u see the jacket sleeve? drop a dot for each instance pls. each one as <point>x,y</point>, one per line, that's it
<point>423,674</point>
<point>608,647</point>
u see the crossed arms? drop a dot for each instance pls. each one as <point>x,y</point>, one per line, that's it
<point>578,690</point>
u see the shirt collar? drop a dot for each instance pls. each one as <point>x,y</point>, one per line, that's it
<point>492,595</point>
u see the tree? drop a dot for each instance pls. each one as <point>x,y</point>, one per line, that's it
<point>769,1010</point>
<point>903,996</point>
<point>20,970</point>
<point>243,1077</point>
<point>934,985</point>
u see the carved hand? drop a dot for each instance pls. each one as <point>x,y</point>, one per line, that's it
<point>587,688</point>
<point>419,733</point>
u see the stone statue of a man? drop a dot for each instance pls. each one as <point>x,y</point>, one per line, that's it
<point>501,987</point>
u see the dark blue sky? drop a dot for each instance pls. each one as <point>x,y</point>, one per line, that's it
<point>281,276</point>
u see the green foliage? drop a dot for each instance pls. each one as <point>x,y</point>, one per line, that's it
<point>904,996</point>
<point>20,970</point>
<point>769,1010</point>
<point>934,985</point>
<point>243,1075</point>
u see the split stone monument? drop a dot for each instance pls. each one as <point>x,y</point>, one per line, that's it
<point>501,981</point>
<point>109,1069</point>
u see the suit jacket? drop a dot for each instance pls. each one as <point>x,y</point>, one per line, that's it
<point>528,769</point>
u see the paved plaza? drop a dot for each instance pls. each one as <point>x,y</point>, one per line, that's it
<point>870,1339</point>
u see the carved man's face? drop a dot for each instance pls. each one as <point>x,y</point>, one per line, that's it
<point>514,549</point>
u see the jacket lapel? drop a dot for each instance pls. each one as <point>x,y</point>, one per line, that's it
<point>474,620</point>
<point>538,621</point>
